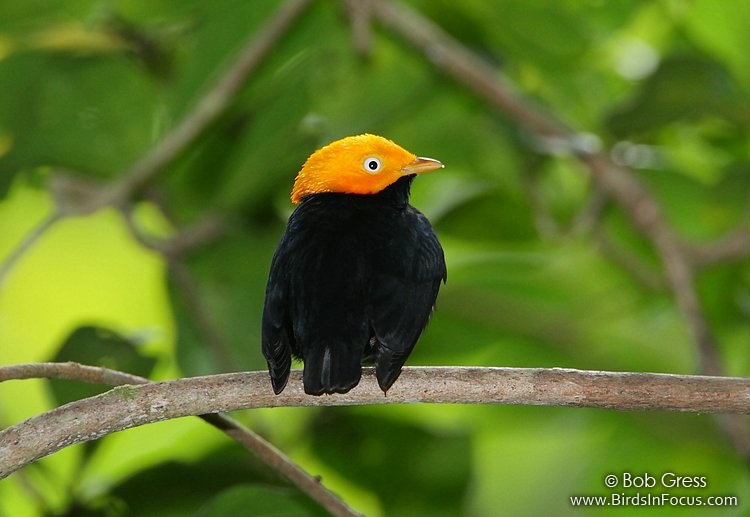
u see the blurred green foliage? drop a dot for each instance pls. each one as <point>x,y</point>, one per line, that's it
<point>90,85</point>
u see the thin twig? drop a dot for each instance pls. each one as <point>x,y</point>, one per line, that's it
<point>638,268</point>
<point>200,316</point>
<point>589,217</point>
<point>730,248</point>
<point>129,406</point>
<point>262,449</point>
<point>545,223</point>
<point>360,20</point>
<point>207,230</point>
<point>280,462</point>
<point>27,242</point>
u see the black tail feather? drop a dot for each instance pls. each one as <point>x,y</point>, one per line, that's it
<point>279,368</point>
<point>388,366</point>
<point>279,358</point>
<point>331,371</point>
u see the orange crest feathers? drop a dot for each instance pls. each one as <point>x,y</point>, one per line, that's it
<point>362,164</point>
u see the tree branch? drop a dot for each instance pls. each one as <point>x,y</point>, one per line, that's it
<point>360,20</point>
<point>731,248</point>
<point>129,406</point>
<point>262,449</point>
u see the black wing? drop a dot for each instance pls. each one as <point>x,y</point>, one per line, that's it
<point>277,336</point>
<point>408,273</point>
<point>315,308</point>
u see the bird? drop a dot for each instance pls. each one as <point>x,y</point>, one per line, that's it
<point>357,271</point>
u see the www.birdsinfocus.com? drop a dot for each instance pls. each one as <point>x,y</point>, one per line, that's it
<point>356,273</point>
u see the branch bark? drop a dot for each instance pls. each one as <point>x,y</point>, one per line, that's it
<point>261,448</point>
<point>731,248</point>
<point>129,406</point>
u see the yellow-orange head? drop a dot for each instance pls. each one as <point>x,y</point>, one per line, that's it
<point>362,164</point>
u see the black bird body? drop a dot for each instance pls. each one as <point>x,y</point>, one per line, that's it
<point>354,276</point>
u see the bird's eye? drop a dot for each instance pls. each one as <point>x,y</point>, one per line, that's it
<point>372,165</point>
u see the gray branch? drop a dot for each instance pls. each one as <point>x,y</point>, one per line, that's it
<point>262,449</point>
<point>133,405</point>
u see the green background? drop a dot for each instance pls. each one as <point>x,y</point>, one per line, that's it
<point>537,277</point>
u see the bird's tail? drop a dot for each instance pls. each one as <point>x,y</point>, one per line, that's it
<point>388,366</point>
<point>331,369</point>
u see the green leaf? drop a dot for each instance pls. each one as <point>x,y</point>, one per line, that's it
<point>684,88</point>
<point>229,279</point>
<point>406,460</point>
<point>260,501</point>
<point>721,29</point>
<point>89,114</point>
<point>224,480</point>
<point>97,346</point>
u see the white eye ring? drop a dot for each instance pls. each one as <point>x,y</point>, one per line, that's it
<point>372,165</point>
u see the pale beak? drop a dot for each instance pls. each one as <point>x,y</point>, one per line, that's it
<point>421,165</point>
